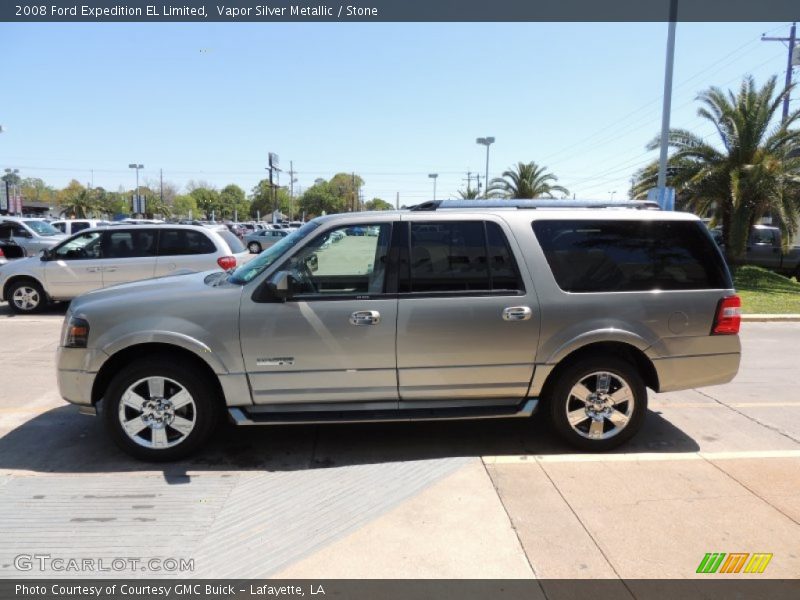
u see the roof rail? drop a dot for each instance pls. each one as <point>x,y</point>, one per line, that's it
<point>532,204</point>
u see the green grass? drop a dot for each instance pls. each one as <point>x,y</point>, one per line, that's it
<point>765,292</point>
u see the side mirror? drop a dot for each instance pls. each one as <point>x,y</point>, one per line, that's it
<point>46,254</point>
<point>280,286</point>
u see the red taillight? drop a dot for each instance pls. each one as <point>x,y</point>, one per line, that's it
<point>1,253</point>
<point>729,316</point>
<point>226,262</point>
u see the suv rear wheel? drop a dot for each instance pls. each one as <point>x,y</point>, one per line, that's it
<point>26,297</point>
<point>598,403</point>
<point>157,411</point>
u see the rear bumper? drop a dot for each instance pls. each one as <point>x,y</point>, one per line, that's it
<point>686,372</point>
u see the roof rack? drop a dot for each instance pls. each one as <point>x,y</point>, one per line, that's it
<point>533,204</point>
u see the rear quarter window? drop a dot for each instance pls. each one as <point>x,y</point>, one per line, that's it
<point>631,256</point>
<point>233,242</point>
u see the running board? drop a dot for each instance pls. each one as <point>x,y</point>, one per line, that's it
<point>241,416</point>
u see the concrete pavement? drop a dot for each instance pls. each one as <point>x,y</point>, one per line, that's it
<point>716,470</point>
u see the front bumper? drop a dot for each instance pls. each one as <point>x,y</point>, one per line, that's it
<point>74,374</point>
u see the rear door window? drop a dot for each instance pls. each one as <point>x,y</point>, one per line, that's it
<point>631,256</point>
<point>459,257</point>
<point>129,243</point>
<point>182,242</point>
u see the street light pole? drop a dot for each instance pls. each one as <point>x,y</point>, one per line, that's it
<point>434,176</point>
<point>487,141</point>
<point>137,203</point>
<point>665,113</point>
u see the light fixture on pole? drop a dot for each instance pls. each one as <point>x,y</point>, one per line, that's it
<point>137,205</point>
<point>611,194</point>
<point>434,176</point>
<point>486,141</point>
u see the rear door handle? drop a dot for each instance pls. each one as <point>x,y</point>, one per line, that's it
<point>365,317</point>
<point>517,313</point>
<point>108,269</point>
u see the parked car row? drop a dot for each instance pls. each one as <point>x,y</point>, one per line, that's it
<point>104,256</point>
<point>765,249</point>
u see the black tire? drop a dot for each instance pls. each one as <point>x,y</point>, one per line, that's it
<point>561,400</point>
<point>204,412</point>
<point>254,247</point>
<point>34,293</point>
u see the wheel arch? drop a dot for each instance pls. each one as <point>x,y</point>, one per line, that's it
<point>626,351</point>
<point>22,277</point>
<point>170,353</point>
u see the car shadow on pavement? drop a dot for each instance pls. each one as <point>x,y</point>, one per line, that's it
<point>63,441</point>
<point>58,309</point>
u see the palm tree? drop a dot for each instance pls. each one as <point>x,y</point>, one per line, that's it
<point>752,172</point>
<point>526,180</point>
<point>468,194</point>
<point>80,204</point>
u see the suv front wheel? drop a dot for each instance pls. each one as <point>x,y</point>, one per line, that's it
<point>26,297</point>
<point>159,411</point>
<point>598,404</point>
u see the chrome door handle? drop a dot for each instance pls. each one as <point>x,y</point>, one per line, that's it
<point>93,269</point>
<point>108,269</point>
<point>365,317</point>
<point>517,313</point>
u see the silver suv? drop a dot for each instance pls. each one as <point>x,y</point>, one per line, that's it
<point>450,311</point>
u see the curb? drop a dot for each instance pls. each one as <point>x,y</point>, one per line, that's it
<point>766,318</point>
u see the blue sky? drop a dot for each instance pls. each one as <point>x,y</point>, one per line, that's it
<point>391,101</point>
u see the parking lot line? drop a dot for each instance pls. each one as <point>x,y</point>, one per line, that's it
<point>640,456</point>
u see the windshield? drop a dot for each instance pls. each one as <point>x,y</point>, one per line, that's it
<point>42,227</point>
<point>249,271</point>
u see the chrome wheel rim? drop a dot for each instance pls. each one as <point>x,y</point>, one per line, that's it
<point>157,412</point>
<point>255,248</point>
<point>25,298</point>
<point>600,405</point>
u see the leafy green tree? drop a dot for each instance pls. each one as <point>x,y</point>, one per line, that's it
<point>378,204</point>
<point>232,201</point>
<point>345,187</point>
<point>753,171</point>
<point>185,206</point>
<point>526,180</point>
<point>36,190</point>
<point>207,200</point>
<point>262,200</point>
<point>320,199</point>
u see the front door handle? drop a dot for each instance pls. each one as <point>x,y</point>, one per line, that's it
<point>93,269</point>
<point>517,313</point>
<point>108,269</point>
<point>365,317</point>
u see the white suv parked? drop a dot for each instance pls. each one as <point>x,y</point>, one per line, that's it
<point>72,226</point>
<point>106,256</point>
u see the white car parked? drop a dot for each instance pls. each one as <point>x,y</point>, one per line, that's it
<point>105,256</point>
<point>72,226</point>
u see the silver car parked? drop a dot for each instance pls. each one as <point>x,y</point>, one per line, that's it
<point>257,241</point>
<point>453,310</point>
<point>106,256</point>
<point>31,233</point>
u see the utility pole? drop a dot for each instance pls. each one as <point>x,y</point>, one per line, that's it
<point>355,208</point>
<point>161,185</point>
<point>397,201</point>
<point>478,179</point>
<point>662,160</point>
<point>792,39</point>
<point>291,190</point>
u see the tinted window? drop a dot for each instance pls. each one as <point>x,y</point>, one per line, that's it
<point>233,242</point>
<point>181,242</point>
<point>79,226</point>
<point>129,243</point>
<point>764,237</point>
<point>459,257</point>
<point>626,256</point>
<point>62,227</point>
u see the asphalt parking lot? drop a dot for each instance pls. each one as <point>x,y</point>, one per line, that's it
<point>714,470</point>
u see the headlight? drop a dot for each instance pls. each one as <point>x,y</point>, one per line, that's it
<point>77,333</point>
